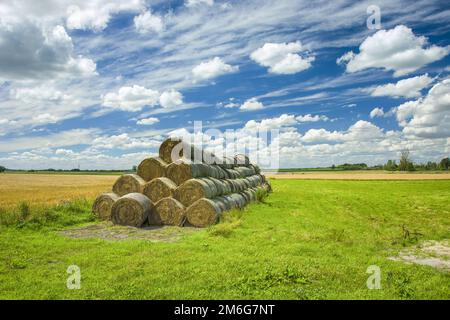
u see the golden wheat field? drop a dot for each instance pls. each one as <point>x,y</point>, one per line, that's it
<point>40,189</point>
<point>48,189</point>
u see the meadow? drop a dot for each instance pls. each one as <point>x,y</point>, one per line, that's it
<point>310,239</point>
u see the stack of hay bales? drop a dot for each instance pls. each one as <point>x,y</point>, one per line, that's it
<point>166,192</point>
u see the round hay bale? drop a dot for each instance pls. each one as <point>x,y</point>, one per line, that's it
<point>254,180</point>
<point>203,212</point>
<point>240,185</point>
<point>241,160</point>
<point>182,171</point>
<point>222,173</point>
<point>174,149</point>
<point>245,171</point>
<point>193,190</point>
<point>246,196</point>
<point>159,188</point>
<point>128,183</point>
<point>225,201</point>
<point>256,168</point>
<point>152,168</point>
<point>165,149</point>
<point>226,163</point>
<point>132,209</point>
<point>170,212</point>
<point>103,204</point>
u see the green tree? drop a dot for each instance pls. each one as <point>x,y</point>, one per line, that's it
<point>2,169</point>
<point>444,164</point>
<point>431,165</point>
<point>134,169</point>
<point>405,162</point>
<point>390,165</point>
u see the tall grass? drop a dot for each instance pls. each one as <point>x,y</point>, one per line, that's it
<point>63,214</point>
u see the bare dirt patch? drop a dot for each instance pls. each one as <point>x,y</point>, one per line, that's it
<point>359,175</point>
<point>108,231</point>
<point>429,253</point>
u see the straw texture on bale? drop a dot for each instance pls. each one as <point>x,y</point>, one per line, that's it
<point>103,204</point>
<point>152,168</point>
<point>185,183</point>
<point>181,171</point>
<point>132,209</point>
<point>174,149</point>
<point>194,189</point>
<point>159,188</point>
<point>204,212</point>
<point>170,212</point>
<point>128,183</point>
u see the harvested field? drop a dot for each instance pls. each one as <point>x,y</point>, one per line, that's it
<point>48,189</point>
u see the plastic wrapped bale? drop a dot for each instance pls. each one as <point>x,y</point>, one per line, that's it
<point>254,180</point>
<point>128,183</point>
<point>204,212</point>
<point>241,160</point>
<point>239,200</point>
<point>245,171</point>
<point>170,212</point>
<point>181,171</point>
<point>195,189</point>
<point>151,168</point>
<point>103,204</point>
<point>159,188</point>
<point>132,209</point>
<point>173,149</point>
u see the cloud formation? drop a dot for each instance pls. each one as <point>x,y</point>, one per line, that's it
<point>131,98</point>
<point>148,22</point>
<point>282,58</point>
<point>408,88</point>
<point>212,69</point>
<point>251,104</point>
<point>397,49</point>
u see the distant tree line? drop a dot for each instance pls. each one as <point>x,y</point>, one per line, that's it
<point>406,164</point>
<point>3,169</point>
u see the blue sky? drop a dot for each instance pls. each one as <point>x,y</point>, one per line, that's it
<point>101,84</point>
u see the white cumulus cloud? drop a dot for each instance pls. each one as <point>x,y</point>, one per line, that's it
<point>212,68</point>
<point>282,58</point>
<point>147,121</point>
<point>408,88</point>
<point>95,15</point>
<point>171,99</point>
<point>376,112</point>
<point>147,22</point>
<point>41,53</point>
<point>427,117</point>
<point>397,49</point>
<point>251,104</point>
<point>131,98</point>
<point>311,118</point>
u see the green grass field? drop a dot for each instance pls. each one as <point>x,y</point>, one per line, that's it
<point>310,240</point>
